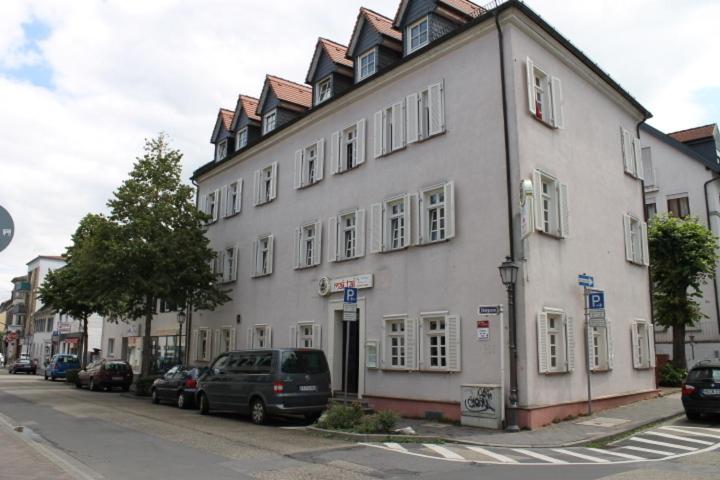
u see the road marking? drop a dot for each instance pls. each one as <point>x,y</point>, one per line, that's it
<point>488,453</point>
<point>396,446</point>
<point>702,428</point>
<point>580,455</point>
<point>539,456</point>
<point>678,437</point>
<point>445,452</point>
<point>648,450</point>
<point>689,432</point>
<point>617,454</point>
<point>663,444</point>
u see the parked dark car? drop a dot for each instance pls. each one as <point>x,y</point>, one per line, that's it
<point>701,390</point>
<point>106,374</point>
<point>23,365</point>
<point>60,364</point>
<point>178,386</point>
<point>267,382</point>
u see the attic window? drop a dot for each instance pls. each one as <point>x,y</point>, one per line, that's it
<point>417,35</point>
<point>221,150</point>
<point>269,122</point>
<point>367,64</point>
<point>323,90</point>
<point>241,139</point>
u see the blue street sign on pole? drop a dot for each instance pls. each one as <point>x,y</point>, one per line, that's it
<point>586,280</point>
<point>596,300</point>
<point>350,295</point>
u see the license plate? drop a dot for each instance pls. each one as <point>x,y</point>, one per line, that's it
<point>711,391</point>
<point>117,378</point>
<point>308,388</point>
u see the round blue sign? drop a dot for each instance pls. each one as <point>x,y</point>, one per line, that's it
<point>7,228</point>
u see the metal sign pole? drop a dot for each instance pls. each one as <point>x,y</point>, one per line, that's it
<point>587,347</point>
<point>347,358</point>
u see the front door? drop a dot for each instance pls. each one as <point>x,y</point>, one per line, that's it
<point>351,347</point>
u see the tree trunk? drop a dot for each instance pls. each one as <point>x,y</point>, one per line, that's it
<point>85,341</point>
<point>678,359</point>
<point>147,341</point>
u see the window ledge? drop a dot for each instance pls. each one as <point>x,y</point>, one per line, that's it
<point>306,267</point>
<point>306,185</point>
<point>393,250</point>
<point>637,264</point>
<point>340,172</point>
<point>347,259</point>
<point>558,373</point>
<point>264,203</point>
<point>546,123</point>
<point>234,214</point>
<point>601,370</point>
<point>437,370</point>
<point>261,275</point>
<point>550,235</point>
<point>397,370</point>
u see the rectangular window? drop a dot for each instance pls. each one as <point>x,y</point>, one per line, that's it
<point>650,210</point>
<point>307,245</point>
<point>309,163</point>
<point>266,184</point>
<point>263,247</point>
<point>551,208</point>
<point>556,342</point>
<point>390,129</point>
<point>225,340</point>
<point>212,205</point>
<point>636,247</point>
<point>436,341</point>
<point>633,160</point>
<point>396,224</point>
<point>221,150</point>
<point>269,122</point>
<point>111,346</point>
<point>323,90</point>
<point>679,207</point>
<point>262,336</point>
<point>392,222</point>
<point>346,235</point>
<point>648,169</point>
<point>395,338</point>
<point>437,214</point>
<point>229,264</point>
<point>241,139</point>
<point>202,346</point>
<point>545,98</point>
<point>233,198</point>
<point>367,64</point>
<point>371,354</point>
<point>643,344</point>
<point>305,336</point>
<point>417,35</point>
<point>600,342</point>
<point>348,148</point>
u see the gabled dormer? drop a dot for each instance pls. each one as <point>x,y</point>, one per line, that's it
<point>246,123</point>
<point>423,21</point>
<point>374,45</point>
<point>281,102</point>
<point>331,72</point>
<point>704,140</point>
<point>222,136</point>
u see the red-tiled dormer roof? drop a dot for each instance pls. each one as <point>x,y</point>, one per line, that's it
<point>692,134</point>
<point>381,23</point>
<point>336,53</point>
<point>226,116</point>
<point>286,91</point>
<point>465,7</point>
<point>249,106</point>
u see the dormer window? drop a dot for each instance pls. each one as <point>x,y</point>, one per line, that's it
<point>269,122</point>
<point>241,139</point>
<point>367,64</point>
<point>323,90</point>
<point>221,150</point>
<point>417,35</point>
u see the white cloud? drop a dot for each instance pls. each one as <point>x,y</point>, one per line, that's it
<point>125,70</point>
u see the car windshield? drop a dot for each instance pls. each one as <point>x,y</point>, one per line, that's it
<point>704,375</point>
<point>116,367</point>
<point>308,362</point>
<point>66,360</point>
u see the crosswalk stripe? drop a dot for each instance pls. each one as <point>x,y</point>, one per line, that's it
<point>648,450</point>
<point>690,432</point>
<point>396,446</point>
<point>580,455</point>
<point>539,456</point>
<point>488,453</point>
<point>714,430</point>
<point>445,452</point>
<point>663,444</point>
<point>617,454</point>
<point>678,437</point>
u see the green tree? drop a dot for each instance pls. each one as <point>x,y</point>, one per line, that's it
<point>683,256</point>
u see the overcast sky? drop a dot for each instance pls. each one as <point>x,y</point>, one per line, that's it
<point>83,83</point>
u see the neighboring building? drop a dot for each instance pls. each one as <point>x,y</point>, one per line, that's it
<point>4,308</point>
<point>681,172</point>
<point>398,185</point>
<point>16,317</point>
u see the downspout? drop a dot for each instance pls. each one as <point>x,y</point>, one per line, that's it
<point>188,322</point>
<point>512,423</point>
<point>642,193</point>
<point>707,212</point>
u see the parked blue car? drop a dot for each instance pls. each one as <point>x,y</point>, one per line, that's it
<point>60,364</point>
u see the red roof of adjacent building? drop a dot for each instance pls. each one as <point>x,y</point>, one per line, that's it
<point>249,106</point>
<point>290,92</point>
<point>692,134</point>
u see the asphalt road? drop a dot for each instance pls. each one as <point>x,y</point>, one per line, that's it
<point>94,435</point>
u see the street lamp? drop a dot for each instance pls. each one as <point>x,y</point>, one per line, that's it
<point>181,317</point>
<point>508,275</point>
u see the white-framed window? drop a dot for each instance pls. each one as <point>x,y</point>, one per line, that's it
<point>111,346</point>
<point>232,194</point>
<point>678,205</point>
<point>648,169</point>
<point>202,345</point>
<point>346,236</point>
<point>323,90</point>
<point>366,64</point>
<point>643,344</point>
<point>266,184</point>
<point>260,336</point>
<point>601,348</point>
<point>305,335</point>
<point>263,248</point>
<point>241,138</point>
<point>390,129</point>
<point>440,338</point>
<point>632,154</point>
<point>636,241</point>
<point>556,341</point>
<point>308,241</point>
<point>229,264</point>
<point>348,148</point>
<point>371,354</point>
<point>224,340</point>
<point>417,35</point>
<point>269,122</point>
<point>545,96</point>
<point>221,150</point>
<point>210,205</point>
<point>395,341</point>
<point>437,213</point>
<point>551,205</point>
<point>309,164</point>
<point>392,223</point>
<point>425,113</point>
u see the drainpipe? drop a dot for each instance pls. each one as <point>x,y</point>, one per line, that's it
<point>707,211</point>
<point>642,193</point>
<point>512,424</point>
<point>189,310</point>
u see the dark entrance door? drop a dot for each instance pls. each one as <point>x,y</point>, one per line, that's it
<point>351,328</point>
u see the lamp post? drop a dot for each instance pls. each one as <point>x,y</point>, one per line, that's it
<point>508,275</point>
<point>181,317</point>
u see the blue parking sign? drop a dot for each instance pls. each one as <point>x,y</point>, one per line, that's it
<point>596,300</point>
<point>350,295</point>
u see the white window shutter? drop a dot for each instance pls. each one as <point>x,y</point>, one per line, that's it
<point>454,351</point>
<point>411,344</point>
<point>271,248</point>
<point>589,349</point>
<point>436,101</point>
<point>628,238</point>
<point>637,154</point>
<point>298,248</point>
<point>293,337</point>
<point>407,219</point>
<point>320,149</point>
<point>644,244</point>
<point>249,338</point>
<point>216,342</point>
<point>273,181</point>
<point>398,126</point>
<point>609,343</point>
<point>627,151</point>
<point>557,102</point>
<point>317,251</point>
<point>269,336</point>
<point>412,219</point>
<point>378,134</point>
<point>361,142</point>
<point>384,343</point>
<point>210,346</point>
<point>216,210</point>
<point>332,235</point>
<point>194,346</point>
<point>335,153</point>
<point>299,173</point>
<point>317,336</point>
<point>542,343</point>
<point>450,210</point>
<point>360,233</point>
<point>376,224</point>
<point>570,342</point>
<point>258,193</point>
<point>202,203</point>
<point>226,207</point>
<point>238,198</point>
<point>256,260</point>
<point>233,340</point>
<point>651,343</point>
<point>530,72</point>
<point>412,116</point>
<point>637,361</point>
<point>236,253</point>
<point>221,266</point>
<point>564,213</point>
<point>537,201</point>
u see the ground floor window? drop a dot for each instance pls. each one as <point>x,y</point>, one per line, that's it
<point>600,341</point>
<point>202,344</point>
<point>260,336</point>
<point>643,344</point>
<point>165,353</point>
<point>556,342</point>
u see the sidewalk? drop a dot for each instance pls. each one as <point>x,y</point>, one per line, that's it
<point>21,461</point>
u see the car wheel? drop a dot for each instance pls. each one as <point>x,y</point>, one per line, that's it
<point>46,377</point>
<point>204,404</point>
<point>692,415</point>
<point>181,402</point>
<point>154,395</point>
<point>312,417</point>
<point>125,388</point>
<point>257,412</point>
<point>78,384</point>
<point>93,387</point>
<point>52,378</point>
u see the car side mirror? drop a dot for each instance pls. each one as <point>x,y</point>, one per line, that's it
<point>217,371</point>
